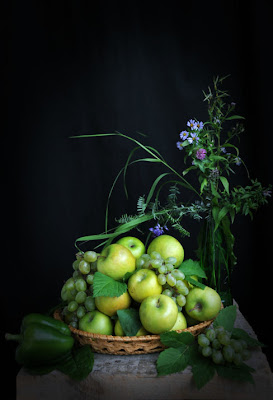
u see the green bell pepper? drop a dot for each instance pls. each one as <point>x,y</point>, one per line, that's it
<point>42,340</point>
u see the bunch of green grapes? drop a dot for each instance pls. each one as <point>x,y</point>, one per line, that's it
<point>218,344</point>
<point>77,290</point>
<point>171,278</point>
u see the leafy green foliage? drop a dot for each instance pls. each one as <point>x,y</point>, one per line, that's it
<point>104,285</point>
<point>226,318</point>
<point>129,320</point>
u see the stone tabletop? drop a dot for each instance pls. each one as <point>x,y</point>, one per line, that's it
<point>134,377</point>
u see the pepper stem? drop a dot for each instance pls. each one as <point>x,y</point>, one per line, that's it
<point>10,336</point>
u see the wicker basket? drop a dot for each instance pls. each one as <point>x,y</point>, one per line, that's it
<point>108,344</point>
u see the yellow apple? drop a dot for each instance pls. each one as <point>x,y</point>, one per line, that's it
<point>115,261</point>
<point>167,246</point>
<point>110,305</point>
<point>142,284</point>
<point>181,322</point>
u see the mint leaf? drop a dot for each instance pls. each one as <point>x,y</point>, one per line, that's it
<point>240,373</point>
<point>129,320</point>
<point>203,371</point>
<point>175,339</point>
<point>226,318</point>
<point>172,360</point>
<point>78,364</point>
<point>190,267</point>
<point>238,333</point>
<point>103,285</point>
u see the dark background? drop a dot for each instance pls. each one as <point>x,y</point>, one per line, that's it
<point>82,67</point>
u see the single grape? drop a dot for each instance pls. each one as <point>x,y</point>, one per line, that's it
<point>161,279</point>
<point>81,311</point>
<point>177,274</point>
<point>237,359</point>
<point>219,329</point>
<point>145,257</point>
<point>174,298</point>
<point>70,284</point>
<point>155,263</point>
<point>90,279</point>
<point>210,334</point>
<point>70,294</point>
<point>245,354</point>
<point>236,345</point>
<point>147,264</point>
<point>80,284</point>
<point>203,340</point>
<point>171,280</point>
<point>80,297</point>
<point>76,274</point>
<point>75,265</point>
<point>217,357</point>
<point>178,307</point>
<point>223,338</point>
<point>181,288</point>
<point>90,256</point>
<point>140,262</point>
<point>72,306</point>
<point>162,269</point>
<point>155,255</point>
<point>181,300</point>
<point>79,255</point>
<point>171,260</point>
<point>167,292</point>
<point>90,303</point>
<point>84,267</point>
<point>228,353</point>
<point>74,324</point>
<point>169,267</point>
<point>216,344</point>
<point>207,351</point>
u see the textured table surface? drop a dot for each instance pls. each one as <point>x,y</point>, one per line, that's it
<point>135,378</point>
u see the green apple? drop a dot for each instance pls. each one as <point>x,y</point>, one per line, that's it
<point>96,322</point>
<point>158,313</point>
<point>203,305</point>
<point>132,243</point>
<point>167,246</point>
<point>115,261</point>
<point>181,322</point>
<point>110,305</point>
<point>142,284</point>
<point>119,331</point>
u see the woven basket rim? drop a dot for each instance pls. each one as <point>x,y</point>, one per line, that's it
<point>146,338</point>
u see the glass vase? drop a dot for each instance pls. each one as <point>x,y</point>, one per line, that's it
<point>215,252</point>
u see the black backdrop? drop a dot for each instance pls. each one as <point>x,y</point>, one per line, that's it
<point>80,67</point>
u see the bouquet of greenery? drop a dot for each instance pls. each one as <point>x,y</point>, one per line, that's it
<point>209,152</point>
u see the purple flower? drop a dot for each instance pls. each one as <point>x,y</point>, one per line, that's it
<point>199,125</point>
<point>179,145</point>
<point>223,150</point>
<point>201,154</point>
<point>192,124</point>
<point>194,138</point>
<point>267,193</point>
<point>184,135</point>
<point>158,230</point>
<point>238,161</point>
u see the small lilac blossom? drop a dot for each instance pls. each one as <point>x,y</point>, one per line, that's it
<point>199,125</point>
<point>158,230</point>
<point>238,161</point>
<point>192,124</point>
<point>267,193</point>
<point>184,135</point>
<point>179,145</point>
<point>223,150</point>
<point>201,154</point>
<point>194,138</point>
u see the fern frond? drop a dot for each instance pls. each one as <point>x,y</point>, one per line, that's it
<point>125,218</point>
<point>141,205</point>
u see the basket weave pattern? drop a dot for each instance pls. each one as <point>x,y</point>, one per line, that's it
<point>108,344</point>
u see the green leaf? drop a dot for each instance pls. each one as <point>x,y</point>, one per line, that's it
<point>225,183</point>
<point>226,318</point>
<point>218,216</point>
<point>214,191</point>
<point>203,371</point>
<point>195,282</point>
<point>175,339</point>
<point>240,373</point>
<point>78,364</point>
<point>203,184</point>
<point>103,285</point>
<point>190,267</point>
<point>172,360</point>
<point>129,320</point>
<point>238,333</point>
<point>151,192</point>
<point>234,117</point>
